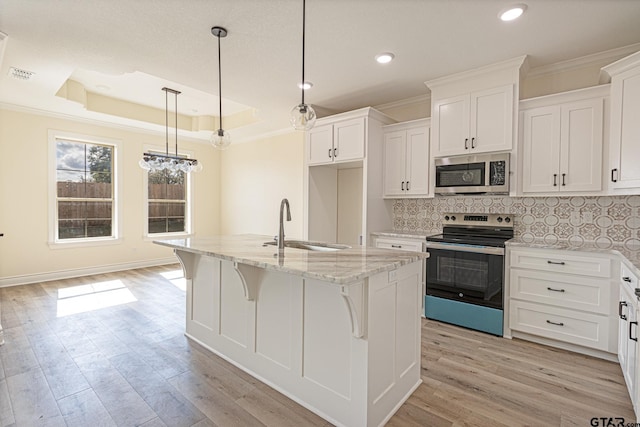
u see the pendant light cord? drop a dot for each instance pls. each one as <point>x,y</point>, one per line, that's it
<point>176,95</point>
<point>166,120</point>
<point>219,82</point>
<point>303,37</point>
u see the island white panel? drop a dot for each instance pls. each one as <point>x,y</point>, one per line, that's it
<point>203,292</point>
<point>278,314</point>
<point>408,309</point>
<point>235,318</point>
<point>327,338</point>
<point>382,336</point>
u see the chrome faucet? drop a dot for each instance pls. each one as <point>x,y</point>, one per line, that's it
<point>284,203</point>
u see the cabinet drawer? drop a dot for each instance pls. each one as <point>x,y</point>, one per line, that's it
<point>561,262</point>
<point>579,293</point>
<point>404,245</point>
<point>589,330</point>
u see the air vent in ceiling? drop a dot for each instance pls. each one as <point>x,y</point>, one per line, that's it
<point>20,74</point>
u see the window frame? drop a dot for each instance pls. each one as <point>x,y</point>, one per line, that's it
<point>116,210</point>
<point>189,200</point>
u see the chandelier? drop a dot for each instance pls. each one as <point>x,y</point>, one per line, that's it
<point>157,162</point>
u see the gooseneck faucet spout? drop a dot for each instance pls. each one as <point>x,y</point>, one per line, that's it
<point>284,203</point>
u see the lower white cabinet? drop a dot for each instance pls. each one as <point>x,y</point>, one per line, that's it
<point>628,332</point>
<point>565,296</point>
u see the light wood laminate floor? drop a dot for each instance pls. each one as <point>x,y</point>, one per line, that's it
<point>109,350</point>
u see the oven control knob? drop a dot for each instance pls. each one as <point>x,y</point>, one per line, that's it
<point>453,218</point>
<point>461,295</point>
<point>507,220</point>
<point>499,219</point>
<point>446,217</point>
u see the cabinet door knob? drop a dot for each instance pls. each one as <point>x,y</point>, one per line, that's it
<point>563,177</point>
<point>555,179</point>
<point>335,152</point>
<point>466,143</point>
<point>473,142</point>
<point>407,185</point>
<point>612,172</point>
<point>402,186</point>
<point>329,152</point>
<point>630,329</point>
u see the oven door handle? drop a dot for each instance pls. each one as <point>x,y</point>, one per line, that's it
<point>466,248</point>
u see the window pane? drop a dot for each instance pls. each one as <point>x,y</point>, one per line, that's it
<point>175,209</point>
<point>71,229</point>
<point>72,210</point>
<point>99,228</point>
<point>98,210</point>
<point>70,156</point>
<point>176,225</point>
<point>157,210</point>
<point>157,225</point>
<point>166,217</point>
<point>71,183</point>
<point>100,190</point>
<point>99,158</point>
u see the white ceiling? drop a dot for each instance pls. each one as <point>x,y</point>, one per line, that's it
<point>134,47</point>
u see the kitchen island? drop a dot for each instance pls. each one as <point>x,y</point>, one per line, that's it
<point>338,331</point>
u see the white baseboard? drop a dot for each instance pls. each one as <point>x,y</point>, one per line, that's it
<point>86,271</point>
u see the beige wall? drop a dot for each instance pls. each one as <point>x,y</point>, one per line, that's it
<point>254,178</point>
<point>24,250</point>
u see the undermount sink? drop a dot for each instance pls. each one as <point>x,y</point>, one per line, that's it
<point>310,246</point>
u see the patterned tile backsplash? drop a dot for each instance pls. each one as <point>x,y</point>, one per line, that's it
<point>604,220</point>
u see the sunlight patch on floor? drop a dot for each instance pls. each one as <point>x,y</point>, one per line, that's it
<point>176,277</point>
<point>93,296</point>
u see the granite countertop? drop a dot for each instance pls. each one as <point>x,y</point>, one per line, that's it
<point>341,267</point>
<point>630,255</point>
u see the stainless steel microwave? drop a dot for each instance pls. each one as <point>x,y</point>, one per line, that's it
<point>477,174</point>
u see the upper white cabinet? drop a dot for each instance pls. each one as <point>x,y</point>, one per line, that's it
<point>477,122</point>
<point>475,111</point>
<point>406,159</point>
<point>624,170</point>
<point>562,142</point>
<point>340,141</point>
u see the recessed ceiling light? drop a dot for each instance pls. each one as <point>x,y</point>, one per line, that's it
<point>385,58</point>
<point>512,12</point>
<point>305,85</point>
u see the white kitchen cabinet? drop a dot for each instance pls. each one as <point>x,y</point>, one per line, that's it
<point>625,125</point>
<point>343,188</point>
<point>477,122</point>
<point>562,142</point>
<point>564,297</point>
<point>340,141</point>
<point>628,333</point>
<point>406,159</point>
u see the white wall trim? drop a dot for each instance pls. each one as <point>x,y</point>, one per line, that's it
<point>583,61</point>
<point>85,271</point>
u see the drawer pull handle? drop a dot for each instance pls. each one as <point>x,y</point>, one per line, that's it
<point>555,290</point>
<point>397,246</point>
<point>555,323</point>
<point>627,279</point>
<point>620,305</point>
<point>555,262</point>
<point>631,336</point>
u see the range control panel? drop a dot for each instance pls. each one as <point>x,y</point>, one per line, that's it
<point>494,220</point>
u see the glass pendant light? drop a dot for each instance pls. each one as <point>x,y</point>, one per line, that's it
<point>220,139</point>
<point>303,116</point>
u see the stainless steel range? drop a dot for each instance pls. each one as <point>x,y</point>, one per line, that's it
<point>465,271</point>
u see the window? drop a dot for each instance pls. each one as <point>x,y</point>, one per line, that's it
<point>84,190</point>
<point>167,202</point>
<point>83,194</point>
